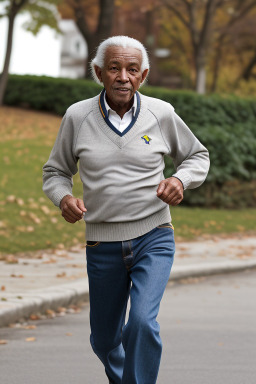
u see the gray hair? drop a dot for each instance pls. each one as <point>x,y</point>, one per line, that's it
<point>117,41</point>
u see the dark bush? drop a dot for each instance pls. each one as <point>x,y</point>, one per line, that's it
<point>47,93</point>
<point>225,125</point>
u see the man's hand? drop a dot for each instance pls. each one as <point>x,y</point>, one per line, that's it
<point>72,209</point>
<point>170,191</point>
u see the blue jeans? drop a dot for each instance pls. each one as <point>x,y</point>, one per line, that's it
<point>138,268</point>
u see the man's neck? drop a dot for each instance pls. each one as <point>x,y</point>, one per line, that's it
<point>118,108</point>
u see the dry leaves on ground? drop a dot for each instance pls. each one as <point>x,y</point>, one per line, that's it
<point>30,339</point>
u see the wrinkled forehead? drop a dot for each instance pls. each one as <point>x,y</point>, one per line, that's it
<point>121,54</point>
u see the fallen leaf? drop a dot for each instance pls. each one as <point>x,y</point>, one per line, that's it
<point>69,334</point>
<point>30,327</point>
<point>3,288</point>
<point>45,209</point>
<point>60,246</point>
<point>13,275</point>
<point>11,259</point>
<point>33,205</point>
<point>62,274</point>
<point>61,309</point>
<point>10,199</point>
<point>33,316</point>
<point>50,312</point>
<point>19,201</point>
<point>34,218</point>
<point>49,261</point>
<point>30,339</point>
<point>60,252</point>
<point>3,342</point>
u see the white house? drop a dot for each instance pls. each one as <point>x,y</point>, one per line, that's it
<point>48,53</point>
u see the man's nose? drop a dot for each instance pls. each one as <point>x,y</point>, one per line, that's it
<point>123,76</point>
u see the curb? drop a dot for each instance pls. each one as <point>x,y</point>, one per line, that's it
<point>36,301</point>
<point>208,269</point>
<point>16,308</point>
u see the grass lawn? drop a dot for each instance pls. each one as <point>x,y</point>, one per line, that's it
<point>29,221</point>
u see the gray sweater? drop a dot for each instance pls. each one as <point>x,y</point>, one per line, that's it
<point>121,174</point>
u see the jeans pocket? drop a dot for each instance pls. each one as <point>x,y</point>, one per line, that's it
<point>92,244</point>
<point>166,225</point>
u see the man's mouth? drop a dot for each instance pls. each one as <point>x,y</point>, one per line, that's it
<point>121,89</point>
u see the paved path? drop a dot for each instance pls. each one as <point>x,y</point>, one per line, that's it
<point>53,280</point>
<point>207,327</point>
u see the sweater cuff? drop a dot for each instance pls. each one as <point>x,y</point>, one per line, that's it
<point>58,196</point>
<point>184,177</point>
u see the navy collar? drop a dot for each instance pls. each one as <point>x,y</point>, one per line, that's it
<point>104,113</point>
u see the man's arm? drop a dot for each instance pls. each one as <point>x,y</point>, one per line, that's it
<point>190,157</point>
<point>58,173</point>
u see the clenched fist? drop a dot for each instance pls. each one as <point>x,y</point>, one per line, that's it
<point>170,191</point>
<point>72,209</point>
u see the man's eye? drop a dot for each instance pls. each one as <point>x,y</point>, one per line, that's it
<point>113,68</point>
<point>133,70</point>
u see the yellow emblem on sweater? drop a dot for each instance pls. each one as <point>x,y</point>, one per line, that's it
<point>146,138</point>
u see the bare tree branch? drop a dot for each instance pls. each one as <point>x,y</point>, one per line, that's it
<point>173,9</point>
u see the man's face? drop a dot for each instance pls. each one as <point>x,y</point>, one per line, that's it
<point>121,76</point>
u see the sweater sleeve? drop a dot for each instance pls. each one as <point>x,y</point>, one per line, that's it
<point>190,157</point>
<point>58,171</point>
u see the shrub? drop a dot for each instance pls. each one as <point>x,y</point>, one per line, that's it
<point>47,93</point>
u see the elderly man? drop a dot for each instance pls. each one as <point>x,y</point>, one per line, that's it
<point>120,138</point>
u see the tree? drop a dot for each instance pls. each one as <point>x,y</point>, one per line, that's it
<point>236,31</point>
<point>93,19</point>
<point>42,13</point>
<point>208,22</point>
<point>197,17</point>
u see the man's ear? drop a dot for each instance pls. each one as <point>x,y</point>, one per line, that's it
<point>98,72</point>
<point>144,75</point>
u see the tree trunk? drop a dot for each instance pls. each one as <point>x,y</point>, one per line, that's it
<point>200,80</point>
<point>150,43</point>
<point>216,68</point>
<point>103,31</point>
<point>200,73</point>
<point>4,75</point>
<point>92,43</point>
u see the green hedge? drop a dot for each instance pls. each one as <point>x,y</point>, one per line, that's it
<point>46,93</point>
<point>225,125</point>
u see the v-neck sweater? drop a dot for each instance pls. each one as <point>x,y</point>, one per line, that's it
<point>121,174</point>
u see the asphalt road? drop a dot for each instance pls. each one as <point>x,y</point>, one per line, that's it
<point>208,328</point>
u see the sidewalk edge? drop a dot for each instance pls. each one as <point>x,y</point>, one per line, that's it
<point>78,291</point>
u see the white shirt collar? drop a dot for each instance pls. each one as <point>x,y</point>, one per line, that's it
<point>133,108</point>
